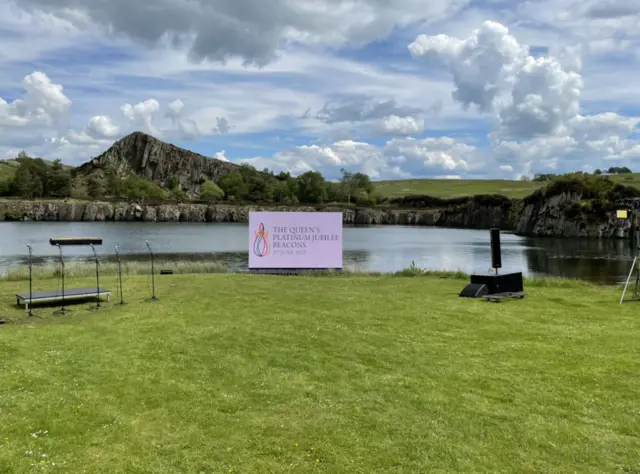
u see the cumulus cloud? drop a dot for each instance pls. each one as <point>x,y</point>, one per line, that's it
<point>185,128</point>
<point>531,103</point>
<point>101,126</point>
<point>482,65</point>
<point>253,30</point>
<point>395,125</point>
<point>44,104</point>
<point>220,155</point>
<point>397,158</point>
<point>534,102</point>
<point>142,114</point>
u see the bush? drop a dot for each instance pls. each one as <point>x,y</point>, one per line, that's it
<point>210,191</point>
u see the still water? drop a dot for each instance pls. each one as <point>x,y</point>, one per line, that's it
<point>375,248</point>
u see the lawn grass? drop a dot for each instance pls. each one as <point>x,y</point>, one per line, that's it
<point>128,267</point>
<point>450,188</point>
<point>348,374</point>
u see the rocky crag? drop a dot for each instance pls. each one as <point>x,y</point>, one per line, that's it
<point>553,217</point>
<point>562,215</point>
<point>569,215</point>
<point>469,214</point>
<point>148,157</point>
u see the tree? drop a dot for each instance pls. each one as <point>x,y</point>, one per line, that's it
<point>348,184</point>
<point>234,186</point>
<point>598,171</point>
<point>363,182</point>
<point>95,187</point>
<point>114,184</point>
<point>135,187</point>
<point>59,182</point>
<point>286,191</point>
<point>23,181</point>
<point>178,194</point>
<point>210,191</point>
<point>312,188</point>
<point>261,188</point>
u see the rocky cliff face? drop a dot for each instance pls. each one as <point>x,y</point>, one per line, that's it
<point>558,216</point>
<point>567,215</point>
<point>468,215</point>
<point>151,158</point>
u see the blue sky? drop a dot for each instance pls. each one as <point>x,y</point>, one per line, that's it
<point>450,89</point>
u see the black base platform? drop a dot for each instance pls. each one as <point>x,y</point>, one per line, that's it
<point>501,283</point>
<point>69,294</point>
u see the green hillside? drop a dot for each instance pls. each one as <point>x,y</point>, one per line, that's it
<point>450,188</point>
<point>8,169</point>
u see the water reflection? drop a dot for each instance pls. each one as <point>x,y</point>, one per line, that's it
<point>373,248</point>
<point>603,261</point>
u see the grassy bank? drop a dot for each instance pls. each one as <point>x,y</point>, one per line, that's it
<point>240,373</point>
<point>452,188</point>
<point>107,269</point>
<point>132,268</point>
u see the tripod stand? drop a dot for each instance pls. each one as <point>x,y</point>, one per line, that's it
<point>30,282</point>
<point>62,309</point>
<point>153,273</point>
<point>95,256</point>
<point>122,301</point>
<point>634,267</point>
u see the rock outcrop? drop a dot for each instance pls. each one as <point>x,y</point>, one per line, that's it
<point>568,215</point>
<point>154,159</point>
<point>562,215</point>
<point>467,215</point>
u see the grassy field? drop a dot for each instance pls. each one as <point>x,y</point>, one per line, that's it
<point>449,188</point>
<point>8,169</point>
<point>87,270</point>
<point>236,373</point>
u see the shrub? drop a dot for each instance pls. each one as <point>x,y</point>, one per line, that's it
<point>210,191</point>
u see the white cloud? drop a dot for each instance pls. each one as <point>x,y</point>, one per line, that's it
<point>141,115</point>
<point>540,110</point>
<point>402,125</point>
<point>101,126</point>
<point>45,104</point>
<point>252,30</point>
<point>398,158</point>
<point>534,102</point>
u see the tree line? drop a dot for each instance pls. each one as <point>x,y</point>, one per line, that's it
<point>611,170</point>
<point>36,178</point>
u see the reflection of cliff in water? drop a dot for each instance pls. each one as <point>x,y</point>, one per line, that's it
<point>602,261</point>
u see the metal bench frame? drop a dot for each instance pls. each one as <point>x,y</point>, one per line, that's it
<point>49,296</point>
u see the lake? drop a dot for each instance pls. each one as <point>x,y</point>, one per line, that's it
<point>374,248</point>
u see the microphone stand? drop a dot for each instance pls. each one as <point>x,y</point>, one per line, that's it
<point>97,306</point>
<point>30,282</point>
<point>62,308</point>
<point>153,280</point>
<point>122,301</point>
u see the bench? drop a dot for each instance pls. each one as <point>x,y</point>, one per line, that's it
<point>70,294</point>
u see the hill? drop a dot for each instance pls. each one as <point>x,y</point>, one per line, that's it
<point>453,188</point>
<point>8,168</point>
<point>165,164</point>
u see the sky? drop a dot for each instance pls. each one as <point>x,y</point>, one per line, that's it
<point>396,89</point>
